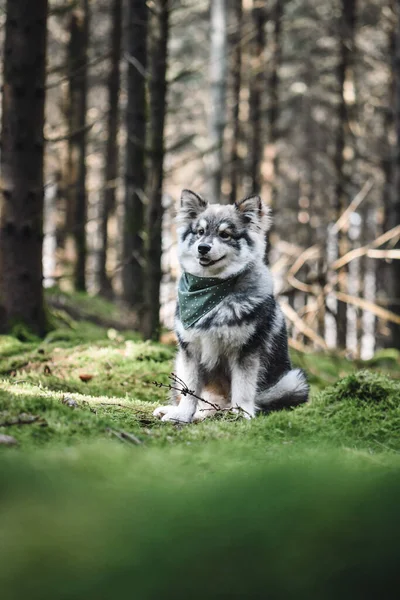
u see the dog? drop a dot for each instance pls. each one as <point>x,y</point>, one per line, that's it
<point>231,332</point>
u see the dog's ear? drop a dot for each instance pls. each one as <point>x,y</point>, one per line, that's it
<point>254,212</point>
<point>191,206</point>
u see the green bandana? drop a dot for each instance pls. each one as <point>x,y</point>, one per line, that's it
<point>198,295</point>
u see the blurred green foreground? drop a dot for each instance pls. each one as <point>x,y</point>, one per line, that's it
<point>298,504</point>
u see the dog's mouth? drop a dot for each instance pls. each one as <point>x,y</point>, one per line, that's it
<point>207,262</point>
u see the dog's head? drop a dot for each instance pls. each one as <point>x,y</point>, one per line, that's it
<point>217,240</point>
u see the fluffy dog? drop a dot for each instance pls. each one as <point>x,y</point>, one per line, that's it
<point>232,337</point>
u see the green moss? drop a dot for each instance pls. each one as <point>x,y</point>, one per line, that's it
<point>304,501</point>
<point>107,522</point>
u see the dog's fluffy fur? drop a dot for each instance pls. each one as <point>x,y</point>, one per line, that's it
<point>237,354</point>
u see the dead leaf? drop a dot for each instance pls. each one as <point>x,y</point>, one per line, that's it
<point>85,377</point>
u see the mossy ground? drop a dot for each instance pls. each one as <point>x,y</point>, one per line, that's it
<point>311,493</point>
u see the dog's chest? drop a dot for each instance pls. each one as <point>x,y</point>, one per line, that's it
<point>216,344</point>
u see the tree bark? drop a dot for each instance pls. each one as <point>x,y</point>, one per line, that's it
<point>135,173</point>
<point>107,200</point>
<point>257,79</point>
<point>346,49</point>
<point>394,209</point>
<point>157,112</point>
<point>22,147</point>
<point>77,106</point>
<point>236,72</point>
<point>218,69</point>
<point>273,112</point>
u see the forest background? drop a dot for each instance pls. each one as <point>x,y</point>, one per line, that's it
<point>297,101</point>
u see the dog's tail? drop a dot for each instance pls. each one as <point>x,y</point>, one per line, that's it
<point>290,390</point>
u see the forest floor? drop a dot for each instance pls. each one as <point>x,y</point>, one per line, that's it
<point>95,493</point>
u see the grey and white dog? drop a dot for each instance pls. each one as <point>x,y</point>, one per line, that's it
<point>235,353</point>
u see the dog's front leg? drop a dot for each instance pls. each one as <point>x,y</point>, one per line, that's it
<point>244,385</point>
<point>187,369</point>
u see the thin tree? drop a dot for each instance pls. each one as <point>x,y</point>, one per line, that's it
<point>77,136</point>
<point>235,28</point>
<point>273,112</point>
<point>157,112</point>
<point>107,201</point>
<point>135,173</point>
<point>257,79</point>
<point>22,147</point>
<point>347,25</point>
<point>218,70</point>
<point>394,209</point>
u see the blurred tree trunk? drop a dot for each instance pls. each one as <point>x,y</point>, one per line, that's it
<point>22,146</point>
<point>347,25</point>
<point>384,279</point>
<point>236,68</point>
<point>218,70</point>
<point>273,112</point>
<point>51,194</point>
<point>157,112</point>
<point>135,173</point>
<point>107,200</point>
<point>394,208</point>
<point>256,93</point>
<point>77,105</point>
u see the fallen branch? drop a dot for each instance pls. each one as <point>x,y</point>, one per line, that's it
<point>291,314</point>
<point>380,312</point>
<point>363,250</point>
<point>24,419</point>
<point>125,436</point>
<point>354,204</point>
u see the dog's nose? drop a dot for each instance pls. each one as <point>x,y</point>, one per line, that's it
<point>203,249</point>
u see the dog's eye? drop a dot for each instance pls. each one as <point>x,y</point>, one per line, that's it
<point>200,231</point>
<point>224,235</point>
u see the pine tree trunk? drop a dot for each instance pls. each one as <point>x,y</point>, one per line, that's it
<point>158,93</point>
<point>22,146</point>
<point>218,69</point>
<point>107,200</point>
<point>235,28</point>
<point>133,247</point>
<point>346,42</point>
<point>384,280</point>
<point>77,105</point>
<point>273,112</point>
<point>257,78</point>
<point>394,213</point>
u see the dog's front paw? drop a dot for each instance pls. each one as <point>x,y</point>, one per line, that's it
<point>175,415</point>
<point>243,412</point>
<point>160,411</point>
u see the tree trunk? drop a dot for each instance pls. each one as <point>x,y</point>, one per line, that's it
<point>394,210</point>
<point>22,145</point>
<point>50,231</point>
<point>347,31</point>
<point>273,112</point>
<point>218,69</point>
<point>384,281</point>
<point>107,200</point>
<point>133,248</point>
<point>77,104</point>
<point>236,68</point>
<point>257,79</point>
<point>158,93</point>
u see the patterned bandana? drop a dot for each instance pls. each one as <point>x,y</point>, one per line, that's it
<point>198,295</point>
